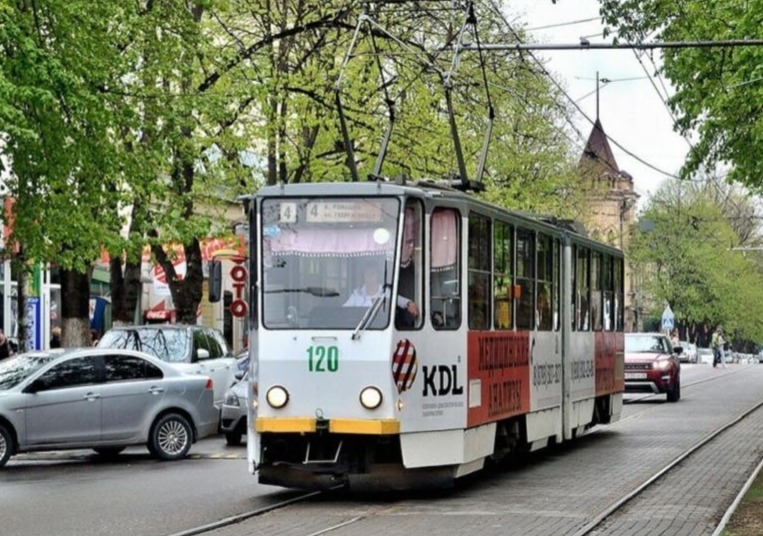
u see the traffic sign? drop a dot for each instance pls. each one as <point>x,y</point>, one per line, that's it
<point>668,319</point>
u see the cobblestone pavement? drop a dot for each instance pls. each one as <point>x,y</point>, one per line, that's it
<point>559,492</point>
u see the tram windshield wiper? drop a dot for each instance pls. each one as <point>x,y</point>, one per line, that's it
<point>320,292</point>
<point>371,313</point>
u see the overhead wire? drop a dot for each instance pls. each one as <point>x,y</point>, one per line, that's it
<point>726,194</point>
<point>572,101</point>
<point>561,24</point>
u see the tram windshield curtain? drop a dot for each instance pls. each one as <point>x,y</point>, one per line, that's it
<point>329,242</point>
<point>444,240</point>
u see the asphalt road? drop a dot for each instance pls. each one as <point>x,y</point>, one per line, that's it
<point>75,493</point>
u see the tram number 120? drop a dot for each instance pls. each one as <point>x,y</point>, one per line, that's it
<point>323,358</point>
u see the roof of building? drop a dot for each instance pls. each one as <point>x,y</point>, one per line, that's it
<point>598,151</point>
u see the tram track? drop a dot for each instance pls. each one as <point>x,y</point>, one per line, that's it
<point>591,527</point>
<point>617,506</point>
<point>238,518</point>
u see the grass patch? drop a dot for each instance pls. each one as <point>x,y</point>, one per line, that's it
<point>747,520</point>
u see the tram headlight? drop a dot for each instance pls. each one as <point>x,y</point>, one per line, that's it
<point>277,396</point>
<point>370,398</point>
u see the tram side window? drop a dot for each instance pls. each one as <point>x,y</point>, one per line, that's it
<point>410,284</point>
<point>596,288</point>
<point>546,287</point>
<point>608,285</point>
<point>619,294</point>
<point>502,280</point>
<point>582,299</point>
<point>480,257</point>
<point>557,284</point>
<point>444,279</point>
<point>526,279</point>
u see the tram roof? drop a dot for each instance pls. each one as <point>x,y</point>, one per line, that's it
<point>434,190</point>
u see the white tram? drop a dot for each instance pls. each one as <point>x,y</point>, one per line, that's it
<point>515,340</point>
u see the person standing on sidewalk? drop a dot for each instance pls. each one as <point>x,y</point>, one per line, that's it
<point>718,342</point>
<point>6,350</point>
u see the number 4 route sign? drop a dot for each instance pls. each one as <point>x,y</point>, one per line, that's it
<point>668,319</point>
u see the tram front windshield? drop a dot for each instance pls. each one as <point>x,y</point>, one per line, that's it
<point>328,263</point>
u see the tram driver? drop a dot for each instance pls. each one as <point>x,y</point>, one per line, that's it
<point>372,287</point>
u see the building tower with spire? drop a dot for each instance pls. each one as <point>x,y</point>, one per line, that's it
<point>612,209</point>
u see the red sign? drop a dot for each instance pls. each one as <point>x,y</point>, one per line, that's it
<point>610,368</point>
<point>501,363</point>
<point>238,274</point>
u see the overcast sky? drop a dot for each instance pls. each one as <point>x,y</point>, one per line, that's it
<point>630,109</point>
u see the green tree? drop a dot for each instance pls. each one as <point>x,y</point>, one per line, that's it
<point>717,89</point>
<point>688,261</point>
<point>54,58</point>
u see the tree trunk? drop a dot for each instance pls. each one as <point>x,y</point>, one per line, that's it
<point>186,292</point>
<point>22,311</point>
<point>75,308</point>
<point>125,290</point>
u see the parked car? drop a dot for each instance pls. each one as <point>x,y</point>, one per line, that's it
<point>233,417</point>
<point>705,355</point>
<point>194,349</point>
<point>689,353</point>
<point>652,365</point>
<point>233,413</point>
<point>102,399</point>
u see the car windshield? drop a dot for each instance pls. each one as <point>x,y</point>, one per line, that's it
<point>646,344</point>
<point>169,345</point>
<point>16,369</point>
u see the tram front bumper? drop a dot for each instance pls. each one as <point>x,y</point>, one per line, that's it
<point>306,425</point>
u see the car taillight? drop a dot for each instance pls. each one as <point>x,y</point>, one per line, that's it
<point>210,385</point>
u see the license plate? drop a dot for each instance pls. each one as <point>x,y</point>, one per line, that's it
<point>635,375</point>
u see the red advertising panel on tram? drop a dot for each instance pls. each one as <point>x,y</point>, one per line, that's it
<point>499,375</point>
<point>609,362</point>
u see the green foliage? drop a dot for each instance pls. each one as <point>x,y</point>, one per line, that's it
<point>128,123</point>
<point>718,90</point>
<point>687,260</point>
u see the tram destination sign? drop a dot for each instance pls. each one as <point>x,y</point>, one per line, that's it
<point>343,212</point>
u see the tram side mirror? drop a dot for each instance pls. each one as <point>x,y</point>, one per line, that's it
<point>215,281</point>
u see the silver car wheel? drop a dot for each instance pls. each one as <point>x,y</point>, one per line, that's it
<point>171,437</point>
<point>5,446</point>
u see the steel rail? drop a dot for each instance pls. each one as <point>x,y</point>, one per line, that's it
<point>613,508</point>
<point>238,518</point>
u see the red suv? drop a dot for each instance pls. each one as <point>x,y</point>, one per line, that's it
<point>652,365</point>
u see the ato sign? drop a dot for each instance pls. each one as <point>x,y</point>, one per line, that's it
<point>238,274</point>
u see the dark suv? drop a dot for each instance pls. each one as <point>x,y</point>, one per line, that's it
<point>652,365</point>
<point>191,348</point>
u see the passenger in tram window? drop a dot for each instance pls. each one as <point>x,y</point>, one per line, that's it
<point>543,313</point>
<point>479,306</point>
<point>372,287</point>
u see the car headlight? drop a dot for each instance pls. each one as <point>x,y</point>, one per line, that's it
<point>370,398</point>
<point>231,399</point>
<point>277,397</point>
<point>662,364</point>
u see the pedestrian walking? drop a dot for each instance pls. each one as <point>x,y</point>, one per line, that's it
<point>718,343</point>
<point>6,350</point>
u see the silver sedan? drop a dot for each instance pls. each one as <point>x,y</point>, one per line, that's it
<point>101,399</point>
